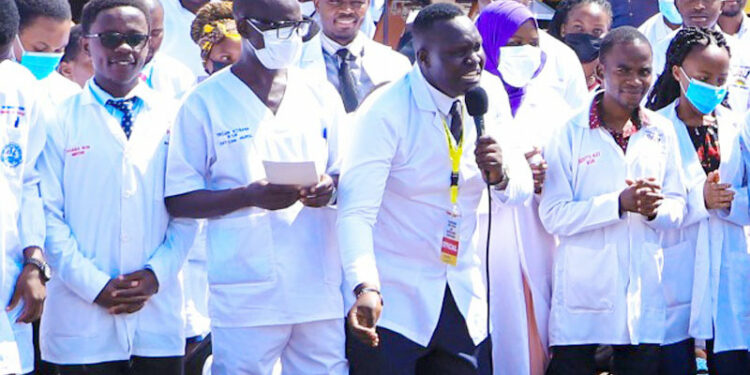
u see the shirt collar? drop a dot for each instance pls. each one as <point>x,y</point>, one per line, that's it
<point>637,120</point>
<point>102,96</point>
<point>356,47</point>
<point>443,103</point>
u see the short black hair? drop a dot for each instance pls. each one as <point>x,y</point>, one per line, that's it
<point>94,7</point>
<point>667,89</point>
<point>73,49</point>
<point>563,9</point>
<point>8,21</point>
<point>30,10</point>
<point>432,14</point>
<point>620,35</point>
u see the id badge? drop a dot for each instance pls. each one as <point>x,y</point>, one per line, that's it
<point>450,244</point>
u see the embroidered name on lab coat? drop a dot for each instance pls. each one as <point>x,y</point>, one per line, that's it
<point>77,150</point>
<point>590,158</point>
<point>228,137</point>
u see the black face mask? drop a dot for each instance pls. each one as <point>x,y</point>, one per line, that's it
<point>218,65</point>
<point>585,45</point>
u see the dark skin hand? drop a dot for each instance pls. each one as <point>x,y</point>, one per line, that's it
<point>489,158</point>
<point>642,196</point>
<point>29,288</point>
<point>364,315</point>
<point>128,293</point>
<point>318,195</point>
<point>715,194</point>
<point>538,169</point>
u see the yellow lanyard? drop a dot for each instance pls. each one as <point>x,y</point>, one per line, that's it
<point>455,155</point>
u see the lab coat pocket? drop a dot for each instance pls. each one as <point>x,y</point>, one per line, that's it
<point>590,278</point>
<point>240,250</point>
<point>677,275</point>
<point>739,284</point>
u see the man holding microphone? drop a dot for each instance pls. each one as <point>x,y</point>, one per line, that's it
<point>409,190</point>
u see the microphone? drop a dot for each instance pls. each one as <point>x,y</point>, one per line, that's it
<point>476,105</point>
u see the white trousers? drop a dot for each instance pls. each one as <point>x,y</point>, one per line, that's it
<point>314,348</point>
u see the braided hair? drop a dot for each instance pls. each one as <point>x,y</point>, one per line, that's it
<point>564,8</point>
<point>667,89</point>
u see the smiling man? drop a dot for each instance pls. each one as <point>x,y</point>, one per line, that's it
<point>733,20</point>
<point>116,299</point>
<point>352,62</point>
<point>417,166</point>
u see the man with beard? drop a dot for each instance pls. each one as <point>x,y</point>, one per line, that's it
<point>733,19</point>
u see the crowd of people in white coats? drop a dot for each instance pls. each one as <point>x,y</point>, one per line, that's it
<point>259,187</point>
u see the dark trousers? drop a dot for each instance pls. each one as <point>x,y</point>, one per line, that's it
<point>135,366</point>
<point>450,351</point>
<point>627,360</point>
<point>677,358</point>
<point>732,362</point>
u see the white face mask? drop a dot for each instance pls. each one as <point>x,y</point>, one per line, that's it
<point>278,53</point>
<point>519,63</point>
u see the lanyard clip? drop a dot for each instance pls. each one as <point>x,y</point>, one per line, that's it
<point>454,178</point>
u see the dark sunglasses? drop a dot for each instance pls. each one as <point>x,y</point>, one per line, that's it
<point>112,39</point>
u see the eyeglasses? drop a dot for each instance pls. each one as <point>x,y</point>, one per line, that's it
<point>356,4</point>
<point>285,29</point>
<point>112,39</point>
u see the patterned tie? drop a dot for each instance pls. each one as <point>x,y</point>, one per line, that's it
<point>349,92</point>
<point>456,120</point>
<point>126,107</point>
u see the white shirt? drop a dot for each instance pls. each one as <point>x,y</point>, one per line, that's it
<point>706,261</point>
<point>739,69</point>
<point>21,214</point>
<point>606,285</point>
<point>655,29</point>
<point>177,42</point>
<point>168,76</point>
<point>394,193</point>
<point>264,267</point>
<point>562,71</point>
<point>104,205</point>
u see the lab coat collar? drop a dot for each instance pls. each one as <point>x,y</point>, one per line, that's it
<point>356,47</point>
<point>140,91</point>
<point>640,118</point>
<point>428,97</point>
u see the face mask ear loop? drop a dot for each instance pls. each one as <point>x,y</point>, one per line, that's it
<point>20,44</point>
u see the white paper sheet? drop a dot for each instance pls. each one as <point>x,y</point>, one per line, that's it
<point>291,173</point>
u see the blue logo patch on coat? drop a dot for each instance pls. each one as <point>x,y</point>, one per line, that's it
<point>11,155</point>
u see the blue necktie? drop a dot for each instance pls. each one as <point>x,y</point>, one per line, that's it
<point>348,88</point>
<point>126,107</point>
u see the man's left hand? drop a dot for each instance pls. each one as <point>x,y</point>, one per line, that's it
<point>29,287</point>
<point>140,286</point>
<point>318,195</point>
<point>489,157</point>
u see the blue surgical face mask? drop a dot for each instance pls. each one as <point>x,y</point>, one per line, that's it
<point>41,64</point>
<point>704,97</point>
<point>669,11</point>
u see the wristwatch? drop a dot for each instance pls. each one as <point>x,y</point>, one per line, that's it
<point>334,196</point>
<point>43,268</point>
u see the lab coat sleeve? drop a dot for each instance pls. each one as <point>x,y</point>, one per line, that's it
<point>32,225</point>
<point>68,264</point>
<point>190,154</point>
<point>696,206</point>
<point>361,188</point>
<point>673,207</point>
<point>739,213</point>
<point>503,128</point>
<point>560,212</point>
<point>168,259</point>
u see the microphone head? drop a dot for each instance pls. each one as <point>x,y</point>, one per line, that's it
<point>476,102</point>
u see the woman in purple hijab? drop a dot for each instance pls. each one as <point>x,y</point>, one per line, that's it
<point>509,28</point>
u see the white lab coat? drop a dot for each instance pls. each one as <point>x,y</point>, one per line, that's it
<point>739,69</point>
<point>168,76</point>
<point>104,204</point>
<point>655,29</point>
<point>381,63</point>
<point>58,88</point>
<point>21,213</point>
<point>607,286</point>
<point>520,246</point>
<point>264,267</point>
<point>177,42</point>
<point>563,72</point>
<point>709,250</point>
<point>393,198</point>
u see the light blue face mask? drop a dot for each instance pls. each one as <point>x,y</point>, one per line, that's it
<point>669,11</point>
<point>41,64</point>
<point>704,97</point>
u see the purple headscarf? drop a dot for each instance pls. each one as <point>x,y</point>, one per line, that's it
<point>497,23</point>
